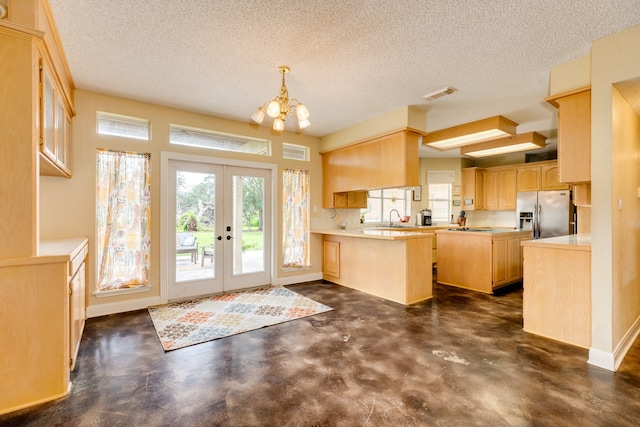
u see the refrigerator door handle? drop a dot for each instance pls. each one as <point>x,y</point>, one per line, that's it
<point>538,213</point>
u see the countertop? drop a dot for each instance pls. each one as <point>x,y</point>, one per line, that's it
<point>49,251</point>
<point>576,242</point>
<point>485,231</point>
<point>373,233</point>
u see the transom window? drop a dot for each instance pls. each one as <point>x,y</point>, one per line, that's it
<point>183,135</point>
<point>123,126</point>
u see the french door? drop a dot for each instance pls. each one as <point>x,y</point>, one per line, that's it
<point>221,230</point>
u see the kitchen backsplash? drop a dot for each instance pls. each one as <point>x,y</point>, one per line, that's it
<point>491,218</point>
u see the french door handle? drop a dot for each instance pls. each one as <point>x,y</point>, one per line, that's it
<point>219,237</point>
<point>229,237</point>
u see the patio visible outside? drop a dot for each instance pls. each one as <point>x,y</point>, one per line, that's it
<point>196,224</point>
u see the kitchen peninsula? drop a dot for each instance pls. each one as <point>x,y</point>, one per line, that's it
<point>396,265</point>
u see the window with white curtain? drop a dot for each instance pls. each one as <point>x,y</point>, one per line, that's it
<point>440,182</point>
<point>295,219</point>
<point>123,218</point>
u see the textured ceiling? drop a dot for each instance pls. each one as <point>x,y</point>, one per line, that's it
<point>351,60</point>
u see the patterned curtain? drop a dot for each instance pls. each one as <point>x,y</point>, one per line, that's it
<point>123,213</point>
<point>295,219</point>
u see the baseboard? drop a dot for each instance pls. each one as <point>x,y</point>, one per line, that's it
<point>601,359</point>
<point>625,344</point>
<point>121,307</point>
<point>612,361</point>
<point>299,279</point>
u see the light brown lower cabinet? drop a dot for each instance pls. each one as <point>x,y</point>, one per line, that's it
<point>481,261</point>
<point>331,259</point>
<point>396,268</point>
<point>557,289</point>
<point>43,311</point>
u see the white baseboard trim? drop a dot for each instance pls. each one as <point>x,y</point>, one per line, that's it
<point>121,306</point>
<point>602,359</point>
<point>612,361</point>
<point>299,279</point>
<point>627,341</point>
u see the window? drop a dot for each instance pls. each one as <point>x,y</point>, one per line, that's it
<point>295,152</point>
<point>440,182</point>
<point>183,135</point>
<point>382,202</point>
<point>295,219</point>
<point>124,126</point>
<point>123,210</point>
<point>440,202</point>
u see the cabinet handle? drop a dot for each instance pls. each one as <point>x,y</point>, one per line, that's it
<point>70,290</point>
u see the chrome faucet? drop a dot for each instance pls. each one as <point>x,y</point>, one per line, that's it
<point>390,220</point>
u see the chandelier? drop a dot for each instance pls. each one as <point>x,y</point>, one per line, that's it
<point>279,107</point>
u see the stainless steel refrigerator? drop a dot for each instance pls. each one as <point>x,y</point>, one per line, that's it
<point>546,213</point>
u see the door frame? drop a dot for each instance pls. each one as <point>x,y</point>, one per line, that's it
<point>165,157</point>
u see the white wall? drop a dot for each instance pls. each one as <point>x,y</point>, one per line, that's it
<point>614,319</point>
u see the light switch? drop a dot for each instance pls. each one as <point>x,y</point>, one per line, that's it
<point>619,203</point>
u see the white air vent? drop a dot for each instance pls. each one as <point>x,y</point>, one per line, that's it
<point>439,93</point>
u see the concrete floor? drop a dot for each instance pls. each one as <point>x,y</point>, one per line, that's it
<point>460,359</point>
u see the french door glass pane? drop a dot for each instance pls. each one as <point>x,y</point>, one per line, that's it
<point>248,224</point>
<point>195,226</point>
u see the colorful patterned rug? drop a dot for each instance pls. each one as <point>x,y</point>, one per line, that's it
<point>187,323</point>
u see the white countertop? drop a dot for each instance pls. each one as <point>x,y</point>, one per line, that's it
<point>577,242</point>
<point>372,233</point>
<point>485,231</point>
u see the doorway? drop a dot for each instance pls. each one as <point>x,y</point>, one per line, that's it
<point>217,228</point>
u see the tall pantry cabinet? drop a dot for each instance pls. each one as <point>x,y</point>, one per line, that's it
<point>42,283</point>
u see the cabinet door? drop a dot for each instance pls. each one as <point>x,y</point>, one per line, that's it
<point>500,254</point>
<point>507,189</point>
<point>551,178</point>
<point>340,200</point>
<point>331,259</point>
<point>574,137</point>
<point>48,145</point>
<point>472,189</point>
<point>491,190</point>
<point>357,199</point>
<point>514,259</point>
<point>528,178</point>
<point>76,313</point>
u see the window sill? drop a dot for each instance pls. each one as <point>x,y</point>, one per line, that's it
<point>116,292</point>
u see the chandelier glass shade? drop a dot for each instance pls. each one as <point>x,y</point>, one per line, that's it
<point>281,106</point>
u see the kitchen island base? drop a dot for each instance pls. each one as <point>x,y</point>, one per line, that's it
<point>399,270</point>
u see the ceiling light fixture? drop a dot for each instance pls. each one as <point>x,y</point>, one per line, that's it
<point>439,93</point>
<point>510,144</point>
<point>470,133</point>
<point>279,107</point>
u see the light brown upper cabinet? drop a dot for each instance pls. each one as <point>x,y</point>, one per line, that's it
<point>55,131</point>
<point>383,162</point>
<point>528,178</point>
<point>507,189</point>
<point>490,180</point>
<point>539,176</point>
<point>350,199</point>
<point>550,178</point>
<point>500,189</point>
<point>472,189</point>
<point>574,135</point>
